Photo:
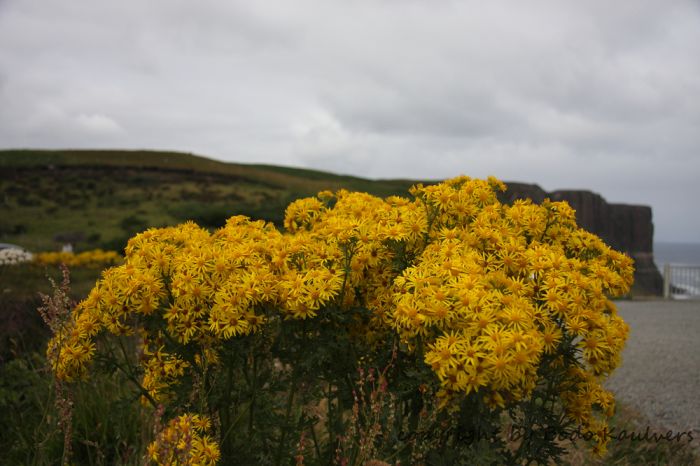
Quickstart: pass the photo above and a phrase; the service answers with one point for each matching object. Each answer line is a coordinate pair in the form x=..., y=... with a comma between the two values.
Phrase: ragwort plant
x=487, y=330
x=94, y=258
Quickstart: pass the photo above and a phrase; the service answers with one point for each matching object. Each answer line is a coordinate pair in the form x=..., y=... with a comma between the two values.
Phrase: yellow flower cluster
x=72, y=347
x=184, y=442
x=499, y=286
x=160, y=369
x=483, y=290
x=93, y=258
x=588, y=404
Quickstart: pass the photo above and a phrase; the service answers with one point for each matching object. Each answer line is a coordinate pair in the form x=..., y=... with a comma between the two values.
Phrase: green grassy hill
x=100, y=198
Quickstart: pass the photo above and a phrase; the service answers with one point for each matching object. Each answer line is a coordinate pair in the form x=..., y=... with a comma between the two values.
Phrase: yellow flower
x=184, y=441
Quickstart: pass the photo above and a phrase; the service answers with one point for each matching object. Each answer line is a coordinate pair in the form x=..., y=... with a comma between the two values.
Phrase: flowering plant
x=92, y=258
x=477, y=311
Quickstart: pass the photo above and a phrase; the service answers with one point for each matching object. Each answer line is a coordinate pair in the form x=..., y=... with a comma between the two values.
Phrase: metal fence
x=681, y=281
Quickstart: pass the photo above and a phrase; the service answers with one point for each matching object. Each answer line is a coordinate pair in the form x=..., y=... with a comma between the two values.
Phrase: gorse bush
x=472, y=317
x=92, y=258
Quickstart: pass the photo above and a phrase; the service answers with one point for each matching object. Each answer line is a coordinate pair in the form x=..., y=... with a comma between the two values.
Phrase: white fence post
x=667, y=281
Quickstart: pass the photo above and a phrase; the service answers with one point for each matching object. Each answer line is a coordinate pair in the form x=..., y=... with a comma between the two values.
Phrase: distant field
x=101, y=198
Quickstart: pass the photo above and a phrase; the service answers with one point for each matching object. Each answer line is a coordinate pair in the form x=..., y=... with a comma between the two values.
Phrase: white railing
x=681, y=281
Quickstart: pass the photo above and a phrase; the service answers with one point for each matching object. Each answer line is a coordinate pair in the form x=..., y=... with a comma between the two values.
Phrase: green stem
x=126, y=356
x=253, y=388
x=331, y=436
x=225, y=409
x=288, y=413
x=130, y=375
x=316, y=447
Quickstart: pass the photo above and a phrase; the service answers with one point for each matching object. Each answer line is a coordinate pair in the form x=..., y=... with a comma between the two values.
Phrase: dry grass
x=639, y=452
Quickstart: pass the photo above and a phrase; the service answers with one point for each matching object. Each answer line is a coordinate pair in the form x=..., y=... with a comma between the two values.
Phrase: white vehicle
x=9, y=246
x=11, y=254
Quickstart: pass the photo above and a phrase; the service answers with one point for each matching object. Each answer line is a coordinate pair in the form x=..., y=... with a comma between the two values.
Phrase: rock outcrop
x=627, y=228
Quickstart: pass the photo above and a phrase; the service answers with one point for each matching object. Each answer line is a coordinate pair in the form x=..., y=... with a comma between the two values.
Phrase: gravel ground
x=660, y=371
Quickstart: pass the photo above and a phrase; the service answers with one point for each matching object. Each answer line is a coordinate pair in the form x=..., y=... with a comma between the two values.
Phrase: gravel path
x=660, y=371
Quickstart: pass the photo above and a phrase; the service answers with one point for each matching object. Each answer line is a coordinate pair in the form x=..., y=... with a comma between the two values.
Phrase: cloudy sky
x=595, y=95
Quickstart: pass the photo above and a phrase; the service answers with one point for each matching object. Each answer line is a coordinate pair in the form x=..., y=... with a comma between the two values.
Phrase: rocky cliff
x=627, y=228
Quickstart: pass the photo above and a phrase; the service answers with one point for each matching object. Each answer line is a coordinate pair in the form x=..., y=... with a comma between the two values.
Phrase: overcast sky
x=598, y=95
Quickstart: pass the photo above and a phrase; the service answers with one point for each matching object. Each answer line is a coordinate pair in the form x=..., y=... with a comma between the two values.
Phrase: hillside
x=101, y=198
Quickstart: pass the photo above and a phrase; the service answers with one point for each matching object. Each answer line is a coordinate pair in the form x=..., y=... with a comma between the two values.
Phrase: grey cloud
x=596, y=94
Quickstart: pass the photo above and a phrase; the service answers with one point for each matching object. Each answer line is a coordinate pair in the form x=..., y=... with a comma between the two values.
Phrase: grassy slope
x=300, y=179
x=103, y=197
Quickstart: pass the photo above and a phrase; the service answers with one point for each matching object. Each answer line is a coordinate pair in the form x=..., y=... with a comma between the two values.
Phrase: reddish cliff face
x=627, y=228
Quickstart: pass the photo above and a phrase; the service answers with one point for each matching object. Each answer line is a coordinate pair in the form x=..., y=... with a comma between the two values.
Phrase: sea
x=685, y=273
